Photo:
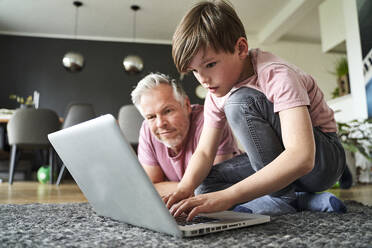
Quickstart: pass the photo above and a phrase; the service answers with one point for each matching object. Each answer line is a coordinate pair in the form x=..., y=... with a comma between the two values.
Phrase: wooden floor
x=359, y=193
x=34, y=192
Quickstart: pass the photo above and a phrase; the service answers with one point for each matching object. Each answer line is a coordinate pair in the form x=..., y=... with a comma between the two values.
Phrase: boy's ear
x=242, y=47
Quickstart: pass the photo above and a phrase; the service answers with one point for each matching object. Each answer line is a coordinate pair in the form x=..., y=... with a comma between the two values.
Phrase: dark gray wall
x=365, y=25
x=30, y=63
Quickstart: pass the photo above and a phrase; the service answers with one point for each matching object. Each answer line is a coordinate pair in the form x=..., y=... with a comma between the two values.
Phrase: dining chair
x=27, y=130
x=130, y=122
x=75, y=114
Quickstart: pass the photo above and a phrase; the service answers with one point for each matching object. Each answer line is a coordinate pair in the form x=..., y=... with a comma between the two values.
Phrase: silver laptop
x=107, y=170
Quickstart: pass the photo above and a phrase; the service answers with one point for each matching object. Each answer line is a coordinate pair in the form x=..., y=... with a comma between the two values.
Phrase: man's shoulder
x=197, y=112
x=196, y=120
x=145, y=132
x=197, y=107
x=147, y=138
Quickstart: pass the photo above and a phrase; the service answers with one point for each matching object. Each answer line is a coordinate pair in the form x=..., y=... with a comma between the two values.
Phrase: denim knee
x=243, y=94
x=248, y=102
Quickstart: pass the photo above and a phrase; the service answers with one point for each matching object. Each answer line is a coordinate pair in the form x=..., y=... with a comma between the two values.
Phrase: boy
x=277, y=112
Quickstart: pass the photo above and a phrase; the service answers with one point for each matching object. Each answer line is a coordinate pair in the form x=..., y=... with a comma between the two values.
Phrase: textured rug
x=77, y=225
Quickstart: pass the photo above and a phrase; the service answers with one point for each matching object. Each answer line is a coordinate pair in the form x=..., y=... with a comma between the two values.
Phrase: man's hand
x=204, y=203
x=165, y=188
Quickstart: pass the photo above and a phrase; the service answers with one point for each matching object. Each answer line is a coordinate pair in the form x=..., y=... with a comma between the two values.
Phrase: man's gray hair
x=150, y=82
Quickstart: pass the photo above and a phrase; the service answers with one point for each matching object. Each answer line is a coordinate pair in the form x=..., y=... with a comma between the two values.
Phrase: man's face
x=168, y=120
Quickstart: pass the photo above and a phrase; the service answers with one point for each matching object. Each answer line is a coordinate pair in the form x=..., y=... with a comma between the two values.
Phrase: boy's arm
x=295, y=161
x=227, y=146
x=222, y=157
x=157, y=177
x=199, y=165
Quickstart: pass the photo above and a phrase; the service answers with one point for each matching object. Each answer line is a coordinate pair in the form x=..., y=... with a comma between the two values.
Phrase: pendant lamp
x=74, y=61
x=133, y=63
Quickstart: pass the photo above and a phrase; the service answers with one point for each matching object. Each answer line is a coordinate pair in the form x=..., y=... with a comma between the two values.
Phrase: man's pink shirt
x=154, y=153
x=284, y=85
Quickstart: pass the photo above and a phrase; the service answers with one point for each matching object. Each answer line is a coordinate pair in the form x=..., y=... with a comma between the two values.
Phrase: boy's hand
x=176, y=196
x=204, y=203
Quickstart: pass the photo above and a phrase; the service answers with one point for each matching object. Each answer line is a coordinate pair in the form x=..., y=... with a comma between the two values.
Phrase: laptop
x=107, y=170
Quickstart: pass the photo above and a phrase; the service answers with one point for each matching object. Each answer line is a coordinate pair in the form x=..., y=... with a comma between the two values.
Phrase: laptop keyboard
x=181, y=220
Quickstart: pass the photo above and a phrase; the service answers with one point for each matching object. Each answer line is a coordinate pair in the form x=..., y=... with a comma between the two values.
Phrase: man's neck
x=174, y=151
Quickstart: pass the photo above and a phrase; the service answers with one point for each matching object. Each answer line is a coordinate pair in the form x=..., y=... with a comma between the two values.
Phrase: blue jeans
x=251, y=117
x=229, y=172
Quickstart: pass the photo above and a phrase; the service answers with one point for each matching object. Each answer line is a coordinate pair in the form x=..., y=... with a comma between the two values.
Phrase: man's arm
x=153, y=171
x=157, y=177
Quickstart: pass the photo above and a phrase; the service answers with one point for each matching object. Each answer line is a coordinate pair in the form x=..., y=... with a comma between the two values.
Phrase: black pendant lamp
x=133, y=64
x=74, y=61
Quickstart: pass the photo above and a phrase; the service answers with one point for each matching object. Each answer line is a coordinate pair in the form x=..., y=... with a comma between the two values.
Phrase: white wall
x=344, y=108
x=355, y=60
x=353, y=106
x=332, y=25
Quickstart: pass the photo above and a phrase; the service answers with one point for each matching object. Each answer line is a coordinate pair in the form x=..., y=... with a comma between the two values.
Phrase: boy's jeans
x=251, y=117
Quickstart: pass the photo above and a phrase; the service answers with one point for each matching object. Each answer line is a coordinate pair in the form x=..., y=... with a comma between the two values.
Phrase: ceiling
x=112, y=20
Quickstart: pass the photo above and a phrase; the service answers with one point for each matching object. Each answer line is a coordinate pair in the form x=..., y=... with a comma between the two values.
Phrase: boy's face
x=220, y=71
x=168, y=120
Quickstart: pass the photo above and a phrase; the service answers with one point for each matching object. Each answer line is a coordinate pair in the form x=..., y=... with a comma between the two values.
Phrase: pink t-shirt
x=154, y=153
x=285, y=85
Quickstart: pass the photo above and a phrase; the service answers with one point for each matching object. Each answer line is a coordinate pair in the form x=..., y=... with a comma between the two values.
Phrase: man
x=171, y=131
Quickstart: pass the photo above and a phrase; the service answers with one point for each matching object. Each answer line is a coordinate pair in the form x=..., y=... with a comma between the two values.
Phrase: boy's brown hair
x=212, y=24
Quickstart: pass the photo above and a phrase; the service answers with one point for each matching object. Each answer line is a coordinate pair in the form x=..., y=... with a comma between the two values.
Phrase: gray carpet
x=76, y=225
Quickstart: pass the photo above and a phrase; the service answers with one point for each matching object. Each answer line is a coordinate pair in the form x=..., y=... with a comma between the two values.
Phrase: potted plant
x=28, y=103
x=356, y=138
x=342, y=73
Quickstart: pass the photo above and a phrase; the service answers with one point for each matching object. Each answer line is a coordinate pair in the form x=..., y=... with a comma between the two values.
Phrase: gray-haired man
x=171, y=131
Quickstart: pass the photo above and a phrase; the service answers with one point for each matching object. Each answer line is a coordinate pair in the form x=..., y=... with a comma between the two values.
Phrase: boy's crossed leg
x=231, y=171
